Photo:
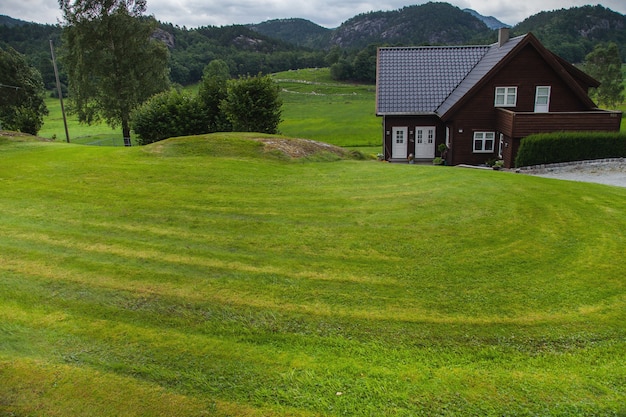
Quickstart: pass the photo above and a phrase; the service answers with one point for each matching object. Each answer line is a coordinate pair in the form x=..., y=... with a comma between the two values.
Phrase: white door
x=398, y=142
x=424, y=141
x=542, y=99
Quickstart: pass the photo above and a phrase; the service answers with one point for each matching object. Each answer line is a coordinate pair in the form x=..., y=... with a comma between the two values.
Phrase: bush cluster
x=248, y=104
x=549, y=148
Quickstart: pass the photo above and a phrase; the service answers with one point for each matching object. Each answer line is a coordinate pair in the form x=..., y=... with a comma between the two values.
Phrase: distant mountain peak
x=490, y=21
x=425, y=24
x=297, y=31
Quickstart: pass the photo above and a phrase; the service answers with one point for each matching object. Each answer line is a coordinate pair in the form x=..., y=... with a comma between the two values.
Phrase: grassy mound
x=251, y=145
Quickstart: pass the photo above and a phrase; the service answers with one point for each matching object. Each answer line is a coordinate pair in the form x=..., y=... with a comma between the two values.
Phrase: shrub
x=213, y=90
x=547, y=148
x=253, y=104
x=169, y=114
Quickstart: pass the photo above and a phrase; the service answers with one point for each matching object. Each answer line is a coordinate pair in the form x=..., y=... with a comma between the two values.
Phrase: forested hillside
x=244, y=50
x=9, y=21
x=572, y=33
x=350, y=49
x=32, y=40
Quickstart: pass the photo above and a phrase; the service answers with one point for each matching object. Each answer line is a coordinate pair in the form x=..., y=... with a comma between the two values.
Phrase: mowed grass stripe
x=148, y=264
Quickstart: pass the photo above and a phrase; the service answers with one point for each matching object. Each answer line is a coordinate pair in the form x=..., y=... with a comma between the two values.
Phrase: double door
x=423, y=142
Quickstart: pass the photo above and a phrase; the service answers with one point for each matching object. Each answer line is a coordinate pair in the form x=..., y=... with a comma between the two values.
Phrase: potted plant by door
x=443, y=150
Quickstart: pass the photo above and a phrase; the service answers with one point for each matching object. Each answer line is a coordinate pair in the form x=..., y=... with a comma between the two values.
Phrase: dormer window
x=506, y=97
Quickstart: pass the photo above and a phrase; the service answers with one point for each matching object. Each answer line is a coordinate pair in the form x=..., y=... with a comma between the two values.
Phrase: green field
x=315, y=107
x=203, y=276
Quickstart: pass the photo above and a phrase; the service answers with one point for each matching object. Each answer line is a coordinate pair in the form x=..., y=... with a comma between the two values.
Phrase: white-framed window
x=506, y=97
x=501, y=145
x=484, y=142
x=399, y=136
x=542, y=99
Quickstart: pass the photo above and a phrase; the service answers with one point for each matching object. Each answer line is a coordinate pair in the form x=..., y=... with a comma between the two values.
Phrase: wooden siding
x=527, y=70
x=521, y=124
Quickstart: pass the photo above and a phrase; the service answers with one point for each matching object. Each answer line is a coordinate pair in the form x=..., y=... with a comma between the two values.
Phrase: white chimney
x=503, y=36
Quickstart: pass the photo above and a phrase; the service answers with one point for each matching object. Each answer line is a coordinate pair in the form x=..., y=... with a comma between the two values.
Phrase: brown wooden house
x=480, y=100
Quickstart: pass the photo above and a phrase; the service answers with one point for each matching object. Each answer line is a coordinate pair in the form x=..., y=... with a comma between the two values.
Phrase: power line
x=10, y=86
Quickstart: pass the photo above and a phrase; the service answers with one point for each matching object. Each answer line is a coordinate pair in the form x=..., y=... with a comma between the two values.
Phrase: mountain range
x=433, y=23
x=571, y=33
x=280, y=44
x=436, y=23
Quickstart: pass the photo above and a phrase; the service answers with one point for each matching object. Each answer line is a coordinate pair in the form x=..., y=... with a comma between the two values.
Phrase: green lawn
x=201, y=276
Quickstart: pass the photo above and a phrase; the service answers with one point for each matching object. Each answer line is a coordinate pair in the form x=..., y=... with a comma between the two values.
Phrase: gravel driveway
x=605, y=171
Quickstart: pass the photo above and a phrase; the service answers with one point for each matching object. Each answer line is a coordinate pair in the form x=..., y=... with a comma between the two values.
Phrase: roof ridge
x=436, y=47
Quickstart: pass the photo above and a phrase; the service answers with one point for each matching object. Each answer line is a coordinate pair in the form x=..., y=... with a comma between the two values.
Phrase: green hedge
x=549, y=148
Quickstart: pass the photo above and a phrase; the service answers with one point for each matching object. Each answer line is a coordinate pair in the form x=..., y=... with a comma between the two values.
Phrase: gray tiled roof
x=418, y=80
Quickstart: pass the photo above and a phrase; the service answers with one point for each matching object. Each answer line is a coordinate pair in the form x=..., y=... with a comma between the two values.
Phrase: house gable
x=514, y=73
x=500, y=57
x=493, y=56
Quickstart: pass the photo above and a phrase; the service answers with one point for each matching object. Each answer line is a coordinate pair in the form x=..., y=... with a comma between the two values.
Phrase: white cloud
x=40, y=11
x=328, y=13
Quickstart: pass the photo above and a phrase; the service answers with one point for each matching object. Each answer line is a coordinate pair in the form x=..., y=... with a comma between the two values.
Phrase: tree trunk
x=126, y=132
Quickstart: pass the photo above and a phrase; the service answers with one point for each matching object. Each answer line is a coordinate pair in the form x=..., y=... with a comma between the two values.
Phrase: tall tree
x=605, y=65
x=112, y=61
x=22, y=106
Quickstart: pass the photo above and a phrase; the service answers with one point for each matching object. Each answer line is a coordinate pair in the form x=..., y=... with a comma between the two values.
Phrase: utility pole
x=56, y=74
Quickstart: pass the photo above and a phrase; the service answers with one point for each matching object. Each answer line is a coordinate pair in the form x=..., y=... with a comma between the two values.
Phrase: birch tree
x=112, y=61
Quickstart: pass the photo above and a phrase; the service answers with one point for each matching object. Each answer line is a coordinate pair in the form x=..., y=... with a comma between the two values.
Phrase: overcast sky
x=328, y=13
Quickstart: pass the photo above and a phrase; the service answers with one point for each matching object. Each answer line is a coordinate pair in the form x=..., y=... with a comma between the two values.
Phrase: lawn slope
x=212, y=276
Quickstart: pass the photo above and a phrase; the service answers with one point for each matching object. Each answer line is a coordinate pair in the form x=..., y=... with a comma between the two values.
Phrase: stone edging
x=550, y=167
